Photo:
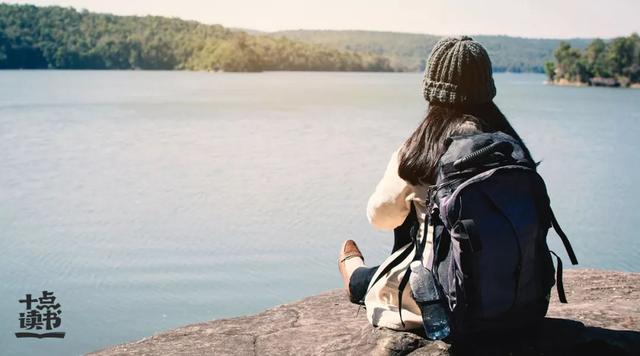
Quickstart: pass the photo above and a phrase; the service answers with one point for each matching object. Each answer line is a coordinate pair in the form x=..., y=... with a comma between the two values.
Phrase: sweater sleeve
x=388, y=206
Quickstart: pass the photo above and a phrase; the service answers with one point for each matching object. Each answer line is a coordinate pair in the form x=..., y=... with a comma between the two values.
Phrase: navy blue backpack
x=490, y=214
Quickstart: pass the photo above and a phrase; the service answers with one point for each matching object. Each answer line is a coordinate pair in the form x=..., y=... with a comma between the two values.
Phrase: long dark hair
x=421, y=151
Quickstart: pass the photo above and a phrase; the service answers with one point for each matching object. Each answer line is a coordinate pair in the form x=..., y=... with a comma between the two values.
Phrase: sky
x=525, y=18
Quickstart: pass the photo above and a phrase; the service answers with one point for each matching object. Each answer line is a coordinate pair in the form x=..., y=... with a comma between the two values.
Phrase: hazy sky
x=528, y=18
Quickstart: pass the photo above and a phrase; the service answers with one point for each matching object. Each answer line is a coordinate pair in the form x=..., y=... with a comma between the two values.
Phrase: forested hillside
x=56, y=37
x=408, y=51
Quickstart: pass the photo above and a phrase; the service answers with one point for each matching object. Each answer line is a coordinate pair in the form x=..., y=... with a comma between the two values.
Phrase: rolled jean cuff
x=359, y=283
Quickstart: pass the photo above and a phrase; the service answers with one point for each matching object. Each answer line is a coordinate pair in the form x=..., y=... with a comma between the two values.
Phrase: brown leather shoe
x=349, y=250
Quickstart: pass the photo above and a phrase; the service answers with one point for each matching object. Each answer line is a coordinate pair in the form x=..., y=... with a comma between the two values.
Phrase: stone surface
x=602, y=318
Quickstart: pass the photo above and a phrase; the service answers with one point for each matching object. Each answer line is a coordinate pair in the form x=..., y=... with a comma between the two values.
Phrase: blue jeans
x=359, y=282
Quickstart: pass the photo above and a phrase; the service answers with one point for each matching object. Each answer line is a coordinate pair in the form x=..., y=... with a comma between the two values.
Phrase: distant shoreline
x=221, y=71
x=579, y=84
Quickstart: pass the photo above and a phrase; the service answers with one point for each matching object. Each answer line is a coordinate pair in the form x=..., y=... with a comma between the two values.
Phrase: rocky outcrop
x=603, y=82
x=602, y=318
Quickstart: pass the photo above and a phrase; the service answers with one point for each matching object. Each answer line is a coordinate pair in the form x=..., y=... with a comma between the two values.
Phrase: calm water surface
x=149, y=200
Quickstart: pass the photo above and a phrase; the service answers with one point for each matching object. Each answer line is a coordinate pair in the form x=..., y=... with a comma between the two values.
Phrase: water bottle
x=425, y=293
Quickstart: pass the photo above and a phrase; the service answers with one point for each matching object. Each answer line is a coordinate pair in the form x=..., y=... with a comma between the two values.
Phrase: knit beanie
x=458, y=72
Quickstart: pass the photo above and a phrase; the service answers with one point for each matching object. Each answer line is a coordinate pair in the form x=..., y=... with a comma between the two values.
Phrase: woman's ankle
x=351, y=264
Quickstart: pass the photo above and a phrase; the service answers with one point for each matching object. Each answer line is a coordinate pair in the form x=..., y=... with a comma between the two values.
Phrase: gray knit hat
x=458, y=72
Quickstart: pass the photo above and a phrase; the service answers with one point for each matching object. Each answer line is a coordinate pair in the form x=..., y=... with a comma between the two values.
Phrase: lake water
x=150, y=200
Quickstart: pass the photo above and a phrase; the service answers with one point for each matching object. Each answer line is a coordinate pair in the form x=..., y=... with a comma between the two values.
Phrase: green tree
x=595, y=57
x=3, y=51
x=569, y=63
x=550, y=70
x=633, y=71
x=620, y=54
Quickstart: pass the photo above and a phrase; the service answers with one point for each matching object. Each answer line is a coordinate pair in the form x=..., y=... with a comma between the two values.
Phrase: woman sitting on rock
x=459, y=88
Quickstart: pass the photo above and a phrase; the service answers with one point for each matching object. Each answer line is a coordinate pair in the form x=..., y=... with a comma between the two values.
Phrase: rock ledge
x=602, y=318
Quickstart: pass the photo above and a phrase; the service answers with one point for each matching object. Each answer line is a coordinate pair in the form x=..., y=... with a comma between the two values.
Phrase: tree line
x=63, y=38
x=409, y=51
x=601, y=63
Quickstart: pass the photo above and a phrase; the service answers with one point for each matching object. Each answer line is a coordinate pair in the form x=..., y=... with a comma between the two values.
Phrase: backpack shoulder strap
x=559, y=284
x=403, y=236
x=396, y=261
x=563, y=237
